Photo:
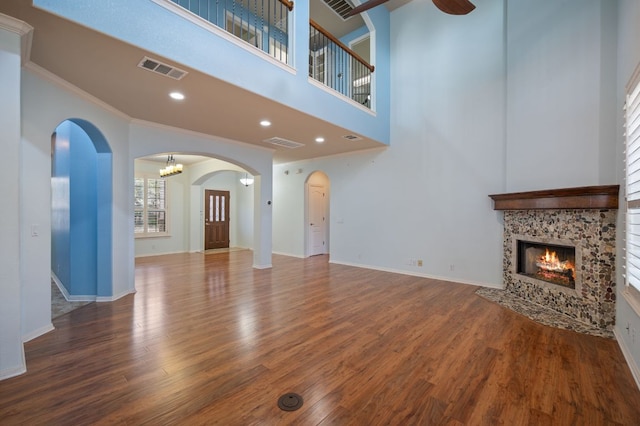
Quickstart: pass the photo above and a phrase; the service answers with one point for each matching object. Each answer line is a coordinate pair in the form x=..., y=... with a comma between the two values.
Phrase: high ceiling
x=107, y=69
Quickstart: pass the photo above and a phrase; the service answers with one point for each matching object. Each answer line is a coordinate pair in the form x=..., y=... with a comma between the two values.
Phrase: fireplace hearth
x=559, y=250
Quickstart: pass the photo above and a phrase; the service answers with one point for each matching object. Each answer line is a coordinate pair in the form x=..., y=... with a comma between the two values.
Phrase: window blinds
x=632, y=179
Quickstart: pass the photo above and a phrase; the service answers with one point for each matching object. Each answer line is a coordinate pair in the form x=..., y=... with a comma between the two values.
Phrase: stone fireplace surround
x=582, y=217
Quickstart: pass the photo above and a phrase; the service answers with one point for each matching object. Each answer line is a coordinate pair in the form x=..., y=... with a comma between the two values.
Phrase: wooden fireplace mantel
x=585, y=197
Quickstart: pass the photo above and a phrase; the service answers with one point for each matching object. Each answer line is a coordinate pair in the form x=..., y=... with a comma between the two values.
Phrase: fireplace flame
x=550, y=262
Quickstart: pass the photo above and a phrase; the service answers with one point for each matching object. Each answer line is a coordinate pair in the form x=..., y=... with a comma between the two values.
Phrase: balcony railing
x=261, y=23
x=331, y=62
x=265, y=25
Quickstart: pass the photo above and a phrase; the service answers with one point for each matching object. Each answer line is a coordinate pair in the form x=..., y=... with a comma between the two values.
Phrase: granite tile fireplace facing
x=578, y=222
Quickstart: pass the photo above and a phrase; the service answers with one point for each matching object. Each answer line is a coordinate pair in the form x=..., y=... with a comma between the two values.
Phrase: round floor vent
x=290, y=402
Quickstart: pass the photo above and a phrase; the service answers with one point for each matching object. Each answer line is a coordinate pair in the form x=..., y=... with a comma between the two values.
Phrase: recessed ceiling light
x=319, y=139
x=176, y=95
x=265, y=123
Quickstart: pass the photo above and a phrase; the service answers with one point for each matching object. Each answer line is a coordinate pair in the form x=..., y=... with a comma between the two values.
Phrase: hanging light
x=246, y=180
x=171, y=168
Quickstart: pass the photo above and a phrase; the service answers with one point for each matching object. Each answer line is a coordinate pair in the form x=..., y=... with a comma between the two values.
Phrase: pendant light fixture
x=246, y=180
x=171, y=168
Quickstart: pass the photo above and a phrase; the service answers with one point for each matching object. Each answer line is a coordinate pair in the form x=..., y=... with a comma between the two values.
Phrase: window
x=150, y=211
x=632, y=190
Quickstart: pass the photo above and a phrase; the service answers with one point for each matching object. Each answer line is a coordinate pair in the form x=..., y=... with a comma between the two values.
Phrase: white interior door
x=316, y=240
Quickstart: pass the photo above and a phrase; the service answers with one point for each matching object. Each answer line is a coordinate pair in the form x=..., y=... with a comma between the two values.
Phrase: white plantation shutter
x=150, y=211
x=632, y=182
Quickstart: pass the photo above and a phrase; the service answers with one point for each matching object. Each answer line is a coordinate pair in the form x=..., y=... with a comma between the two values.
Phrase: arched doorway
x=81, y=211
x=317, y=189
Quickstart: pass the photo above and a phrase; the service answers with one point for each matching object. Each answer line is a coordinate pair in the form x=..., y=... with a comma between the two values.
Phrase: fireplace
x=552, y=263
x=559, y=250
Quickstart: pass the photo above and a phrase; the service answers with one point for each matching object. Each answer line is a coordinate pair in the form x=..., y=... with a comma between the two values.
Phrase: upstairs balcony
x=245, y=60
x=264, y=24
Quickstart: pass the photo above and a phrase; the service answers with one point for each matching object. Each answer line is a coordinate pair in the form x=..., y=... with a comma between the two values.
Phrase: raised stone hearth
x=584, y=218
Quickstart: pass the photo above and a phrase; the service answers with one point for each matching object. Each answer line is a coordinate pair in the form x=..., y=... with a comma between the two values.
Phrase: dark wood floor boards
x=207, y=339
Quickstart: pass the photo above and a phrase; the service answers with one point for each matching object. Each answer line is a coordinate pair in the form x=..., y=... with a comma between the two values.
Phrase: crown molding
x=53, y=78
x=22, y=29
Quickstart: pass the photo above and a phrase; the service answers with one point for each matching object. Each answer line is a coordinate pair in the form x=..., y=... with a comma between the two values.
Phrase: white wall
x=178, y=203
x=48, y=101
x=185, y=207
x=426, y=197
x=561, y=75
x=628, y=60
x=150, y=138
x=11, y=352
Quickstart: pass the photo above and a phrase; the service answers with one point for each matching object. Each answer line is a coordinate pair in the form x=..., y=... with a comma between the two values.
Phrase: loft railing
x=261, y=23
x=331, y=62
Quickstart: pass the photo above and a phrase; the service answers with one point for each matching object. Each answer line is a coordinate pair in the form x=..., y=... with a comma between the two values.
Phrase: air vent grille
x=352, y=137
x=341, y=7
x=161, y=68
x=284, y=142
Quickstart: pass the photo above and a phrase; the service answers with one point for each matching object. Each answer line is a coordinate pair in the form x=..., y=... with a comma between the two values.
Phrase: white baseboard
x=100, y=299
x=288, y=254
x=37, y=333
x=419, y=274
x=262, y=266
x=635, y=369
x=12, y=372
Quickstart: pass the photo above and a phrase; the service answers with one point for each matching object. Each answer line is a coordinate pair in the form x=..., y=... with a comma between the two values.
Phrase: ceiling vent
x=160, y=68
x=341, y=7
x=352, y=137
x=284, y=142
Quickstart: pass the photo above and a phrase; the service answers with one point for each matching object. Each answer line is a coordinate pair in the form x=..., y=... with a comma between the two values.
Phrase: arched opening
x=317, y=190
x=188, y=212
x=81, y=211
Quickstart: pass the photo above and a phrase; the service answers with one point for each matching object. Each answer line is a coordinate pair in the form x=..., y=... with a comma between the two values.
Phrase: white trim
x=37, y=333
x=102, y=299
x=13, y=372
x=279, y=253
x=24, y=30
x=164, y=253
x=420, y=275
x=632, y=299
x=14, y=25
x=203, y=23
x=341, y=96
x=268, y=266
x=628, y=356
x=47, y=75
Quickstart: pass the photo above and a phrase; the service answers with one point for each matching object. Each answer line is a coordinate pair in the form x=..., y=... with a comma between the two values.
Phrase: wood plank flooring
x=209, y=340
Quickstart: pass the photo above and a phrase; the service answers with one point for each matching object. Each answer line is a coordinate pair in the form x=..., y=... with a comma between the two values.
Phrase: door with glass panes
x=216, y=219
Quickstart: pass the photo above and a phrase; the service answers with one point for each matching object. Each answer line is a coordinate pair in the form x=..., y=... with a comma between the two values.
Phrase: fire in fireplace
x=547, y=262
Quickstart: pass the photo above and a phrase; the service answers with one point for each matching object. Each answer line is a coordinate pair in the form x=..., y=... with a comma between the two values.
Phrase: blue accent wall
x=81, y=247
x=83, y=224
x=60, y=205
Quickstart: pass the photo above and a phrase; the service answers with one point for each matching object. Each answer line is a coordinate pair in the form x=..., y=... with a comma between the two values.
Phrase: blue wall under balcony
x=81, y=210
x=145, y=23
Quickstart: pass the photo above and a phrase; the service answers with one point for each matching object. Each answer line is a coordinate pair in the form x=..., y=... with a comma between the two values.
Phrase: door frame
x=316, y=178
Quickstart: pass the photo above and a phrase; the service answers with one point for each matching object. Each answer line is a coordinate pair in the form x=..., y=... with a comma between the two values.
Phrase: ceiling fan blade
x=365, y=6
x=454, y=7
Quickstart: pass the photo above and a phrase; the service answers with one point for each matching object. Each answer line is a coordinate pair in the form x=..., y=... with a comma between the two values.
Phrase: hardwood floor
x=209, y=340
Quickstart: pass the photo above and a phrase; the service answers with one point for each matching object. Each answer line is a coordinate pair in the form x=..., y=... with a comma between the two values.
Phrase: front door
x=216, y=219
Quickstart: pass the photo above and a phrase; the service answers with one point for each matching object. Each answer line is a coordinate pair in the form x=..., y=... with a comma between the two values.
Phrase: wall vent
x=341, y=7
x=352, y=137
x=284, y=142
x=161, y=68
